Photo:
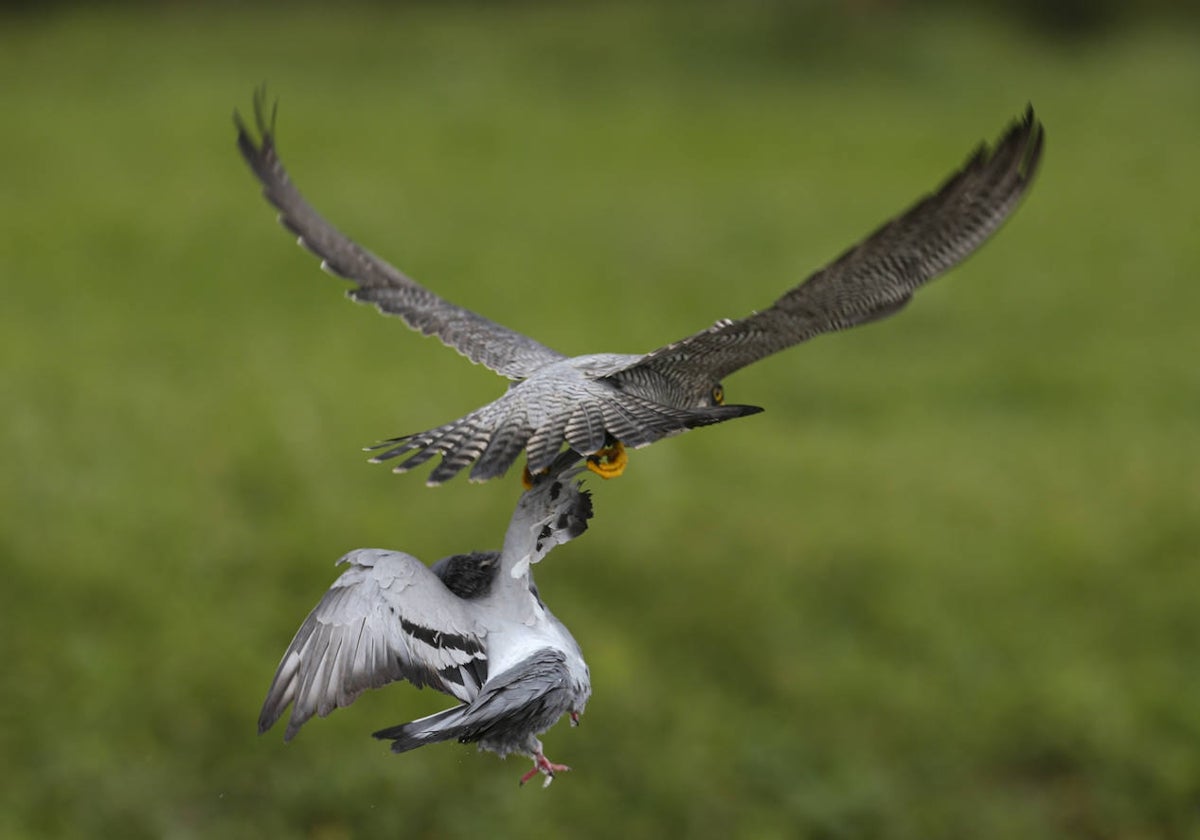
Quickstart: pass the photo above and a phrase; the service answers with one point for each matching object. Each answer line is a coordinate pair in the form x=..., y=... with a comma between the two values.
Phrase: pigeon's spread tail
x=443, y=726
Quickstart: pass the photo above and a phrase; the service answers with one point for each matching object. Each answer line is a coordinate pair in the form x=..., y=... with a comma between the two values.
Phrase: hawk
x=600, y=403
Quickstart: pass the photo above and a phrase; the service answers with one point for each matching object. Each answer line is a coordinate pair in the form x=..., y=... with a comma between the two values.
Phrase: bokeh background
x=947, y=585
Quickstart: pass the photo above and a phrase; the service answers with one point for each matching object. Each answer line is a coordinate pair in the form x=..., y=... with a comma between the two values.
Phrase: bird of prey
x=600, y=403
x=472, y=626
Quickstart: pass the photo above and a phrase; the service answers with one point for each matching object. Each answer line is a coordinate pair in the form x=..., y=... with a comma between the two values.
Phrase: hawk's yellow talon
x=608, y=462
x=526, y=478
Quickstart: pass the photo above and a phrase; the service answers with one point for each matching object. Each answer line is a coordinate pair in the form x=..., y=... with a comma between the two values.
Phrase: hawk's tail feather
x=507, y=443
x=584, y=430
x=544, y=445
x=494, y=441
x=459, y=447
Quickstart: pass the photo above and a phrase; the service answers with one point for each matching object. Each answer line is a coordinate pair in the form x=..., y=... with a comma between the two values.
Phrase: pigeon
x=598, y=404
x=472, y=626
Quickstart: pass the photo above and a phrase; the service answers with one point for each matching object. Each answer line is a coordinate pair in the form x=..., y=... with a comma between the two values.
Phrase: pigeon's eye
x=718, y=395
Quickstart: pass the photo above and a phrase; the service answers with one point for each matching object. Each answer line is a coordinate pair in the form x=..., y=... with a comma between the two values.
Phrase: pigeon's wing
x=388, y=617
x=879, y=275
x=483, y=341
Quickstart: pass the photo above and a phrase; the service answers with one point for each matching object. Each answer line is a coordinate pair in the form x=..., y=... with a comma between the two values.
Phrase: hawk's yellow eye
x=718, y=395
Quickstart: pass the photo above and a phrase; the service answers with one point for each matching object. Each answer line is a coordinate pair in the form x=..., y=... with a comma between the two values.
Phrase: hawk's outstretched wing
x=483, y=341
x=878, y=276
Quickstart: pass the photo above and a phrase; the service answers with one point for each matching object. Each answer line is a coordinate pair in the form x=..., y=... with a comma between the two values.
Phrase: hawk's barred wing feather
x=505, y=351
x=878, y=276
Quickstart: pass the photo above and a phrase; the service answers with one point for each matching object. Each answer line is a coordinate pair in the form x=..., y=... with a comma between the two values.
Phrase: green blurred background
x=947, y=585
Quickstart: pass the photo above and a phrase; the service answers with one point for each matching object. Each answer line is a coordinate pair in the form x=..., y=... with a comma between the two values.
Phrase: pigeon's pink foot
x=541, y=764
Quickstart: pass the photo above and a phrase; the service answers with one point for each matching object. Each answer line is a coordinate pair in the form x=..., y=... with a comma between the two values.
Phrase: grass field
x=947, y=585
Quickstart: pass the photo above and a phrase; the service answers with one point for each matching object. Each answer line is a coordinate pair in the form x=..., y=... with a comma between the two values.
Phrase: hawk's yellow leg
x=608, y=462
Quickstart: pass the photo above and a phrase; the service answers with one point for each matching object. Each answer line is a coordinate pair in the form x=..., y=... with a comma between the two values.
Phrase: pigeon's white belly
x=513, y=642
